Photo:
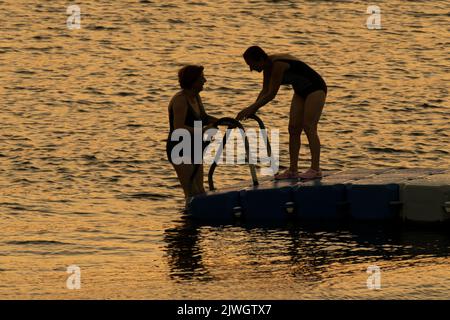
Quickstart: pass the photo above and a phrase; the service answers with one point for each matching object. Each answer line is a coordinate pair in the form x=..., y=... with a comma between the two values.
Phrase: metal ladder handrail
x=263, y=129
x=232, y=123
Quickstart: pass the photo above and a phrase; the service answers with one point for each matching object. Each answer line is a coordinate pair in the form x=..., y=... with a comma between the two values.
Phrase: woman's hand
x=245, y=113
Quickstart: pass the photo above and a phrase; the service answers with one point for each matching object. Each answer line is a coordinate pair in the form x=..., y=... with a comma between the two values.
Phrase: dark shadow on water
x=310, y=247
x=184, y=252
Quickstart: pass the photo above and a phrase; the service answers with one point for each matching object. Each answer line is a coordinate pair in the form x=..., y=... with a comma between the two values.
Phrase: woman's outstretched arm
x=274, y=85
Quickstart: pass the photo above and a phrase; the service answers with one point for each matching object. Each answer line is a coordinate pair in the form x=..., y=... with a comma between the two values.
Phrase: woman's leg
x=313, y=109
x=296, y=115
x=184, y=173
x=199, y=188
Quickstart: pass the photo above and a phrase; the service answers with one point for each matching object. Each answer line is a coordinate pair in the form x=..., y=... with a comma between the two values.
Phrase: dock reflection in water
x=315, y=254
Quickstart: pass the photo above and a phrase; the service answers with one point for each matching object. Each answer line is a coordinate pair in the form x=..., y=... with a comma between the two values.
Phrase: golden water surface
x=84, y=178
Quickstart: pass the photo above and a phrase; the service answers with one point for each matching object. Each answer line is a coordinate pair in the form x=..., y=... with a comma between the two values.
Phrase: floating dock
x=420, y=195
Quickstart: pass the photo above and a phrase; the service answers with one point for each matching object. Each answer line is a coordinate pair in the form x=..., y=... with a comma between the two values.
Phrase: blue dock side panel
x=374, y=202
x=215, y=206
x=320, y=201
x=266, y=203
x=420, y=195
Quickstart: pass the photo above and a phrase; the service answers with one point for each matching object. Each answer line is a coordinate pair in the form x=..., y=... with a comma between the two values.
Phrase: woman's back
x=282, y=56
x=191, y=114
x=299, y=74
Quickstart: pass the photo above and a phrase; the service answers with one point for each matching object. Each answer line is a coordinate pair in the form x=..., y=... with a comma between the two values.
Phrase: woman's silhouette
x=310, y=92
x=184, y=109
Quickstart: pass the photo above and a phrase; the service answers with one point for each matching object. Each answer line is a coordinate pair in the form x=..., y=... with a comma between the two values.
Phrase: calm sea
x=84, y=178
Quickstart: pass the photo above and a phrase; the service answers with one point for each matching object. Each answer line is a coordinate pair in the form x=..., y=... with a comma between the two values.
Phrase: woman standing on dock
x=310, y=92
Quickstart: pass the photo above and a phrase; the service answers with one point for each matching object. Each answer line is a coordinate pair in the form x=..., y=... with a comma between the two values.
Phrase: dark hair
x=188, y=75
x=255, y=53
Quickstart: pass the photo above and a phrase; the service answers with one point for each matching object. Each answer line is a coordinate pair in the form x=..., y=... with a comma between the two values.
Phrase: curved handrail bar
x=263, y=128
x=231, y=123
